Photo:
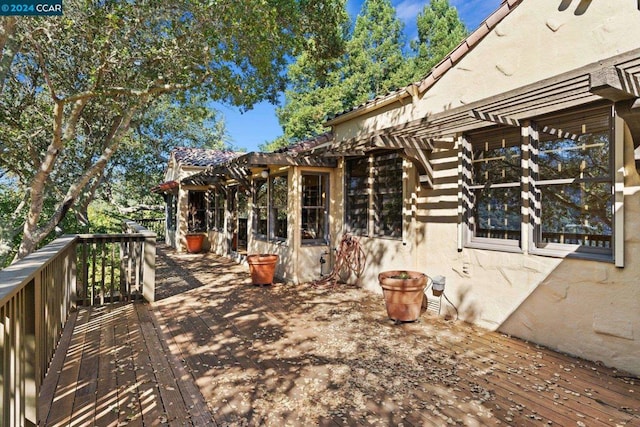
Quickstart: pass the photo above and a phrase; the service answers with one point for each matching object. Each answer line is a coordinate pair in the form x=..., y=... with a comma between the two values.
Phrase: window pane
x=172, y=207
x=388, y=196
x=575, y=146
x=495, y=198
x=219, y=200
x=496, y=157
x=497, y=213
x=197, y=211
x=314, y=207
x=260, y=209
x=211, y=213
x=357, y=197
x=579, y=214
x=279, y=206
x=312, y=224
x=312, y=191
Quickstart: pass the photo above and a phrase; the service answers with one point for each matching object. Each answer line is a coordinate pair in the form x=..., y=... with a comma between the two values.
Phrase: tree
x=165, y=124
x=372, y=65
x=308, y=100
x=374, y=54
x=439, y=32
x=77, y=81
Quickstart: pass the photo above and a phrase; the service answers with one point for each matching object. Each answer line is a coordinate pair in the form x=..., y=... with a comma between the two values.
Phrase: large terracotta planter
x=194, y=242
x=403, y=293
x=262, y=268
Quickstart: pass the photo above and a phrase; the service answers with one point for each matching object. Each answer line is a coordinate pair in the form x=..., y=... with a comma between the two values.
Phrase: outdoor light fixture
x=264, y=173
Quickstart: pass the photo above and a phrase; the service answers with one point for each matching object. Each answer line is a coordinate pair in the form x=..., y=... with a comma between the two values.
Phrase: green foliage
x=9, y=225
x=81, y=80
x=439, y=32
x=104, y=218
x=374, y=63
x=374, y=53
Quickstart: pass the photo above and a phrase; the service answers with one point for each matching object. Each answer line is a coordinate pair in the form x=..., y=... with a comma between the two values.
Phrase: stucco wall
x=586, y=308
x=535, y=41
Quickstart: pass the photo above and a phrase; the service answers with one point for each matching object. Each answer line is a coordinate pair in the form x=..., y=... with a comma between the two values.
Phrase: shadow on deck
x=215, y=350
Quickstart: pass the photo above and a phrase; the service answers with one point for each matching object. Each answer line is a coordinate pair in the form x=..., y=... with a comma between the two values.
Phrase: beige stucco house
x=520, y=186
x=254, y=203
x=191, y=203
x=510, y=169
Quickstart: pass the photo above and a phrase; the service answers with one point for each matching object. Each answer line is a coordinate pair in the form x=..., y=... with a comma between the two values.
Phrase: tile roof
x=306, y=145
x=203, y=157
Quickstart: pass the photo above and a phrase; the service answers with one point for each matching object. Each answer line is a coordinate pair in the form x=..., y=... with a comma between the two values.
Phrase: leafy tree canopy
x=73, y=86
x=439, y=32
x=375, y=62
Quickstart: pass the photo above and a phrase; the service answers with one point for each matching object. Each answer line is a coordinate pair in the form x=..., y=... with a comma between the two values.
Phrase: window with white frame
x=386, y=203
x=573, y=182
x=493, y=187
x=315, y=208
x=567, y=178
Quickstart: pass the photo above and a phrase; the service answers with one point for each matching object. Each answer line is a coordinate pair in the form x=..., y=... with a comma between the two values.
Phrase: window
x=494, y=187
x=270, y=207
x=172, y=211
x=386, y=180
x=573, y=182
x=216, y=210
x=357, y=196
x=197, y=211
x=279, y=198
x=315, y=208
x=260, y=208
x=568, y=176
x=387, y=195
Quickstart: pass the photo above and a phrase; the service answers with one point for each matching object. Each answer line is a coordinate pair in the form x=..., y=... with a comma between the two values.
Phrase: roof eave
x=370, y=106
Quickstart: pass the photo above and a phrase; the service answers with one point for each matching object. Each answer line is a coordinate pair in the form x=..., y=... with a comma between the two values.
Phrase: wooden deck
x=215, y=350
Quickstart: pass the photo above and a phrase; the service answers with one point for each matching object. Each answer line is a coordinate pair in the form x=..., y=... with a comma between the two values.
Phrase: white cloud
x=408, y=10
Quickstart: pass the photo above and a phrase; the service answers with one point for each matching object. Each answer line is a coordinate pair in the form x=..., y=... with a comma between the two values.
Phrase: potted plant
x=262, y=268
x=403, y=293
x=195, y=240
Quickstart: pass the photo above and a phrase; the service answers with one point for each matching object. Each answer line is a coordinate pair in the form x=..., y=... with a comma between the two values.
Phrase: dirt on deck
x=301, y=355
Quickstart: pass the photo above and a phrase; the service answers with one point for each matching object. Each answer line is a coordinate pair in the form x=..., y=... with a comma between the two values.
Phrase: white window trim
x=527, y=243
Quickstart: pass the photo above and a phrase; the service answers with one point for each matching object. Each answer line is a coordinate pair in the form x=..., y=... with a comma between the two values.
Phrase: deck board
x=216, y=350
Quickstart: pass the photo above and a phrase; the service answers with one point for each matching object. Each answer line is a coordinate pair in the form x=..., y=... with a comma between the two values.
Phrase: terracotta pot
x=262, y=268
x=403, y=293
x=194, y=242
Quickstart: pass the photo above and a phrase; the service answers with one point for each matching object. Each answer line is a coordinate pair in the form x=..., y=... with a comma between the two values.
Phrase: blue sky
x=250, y=129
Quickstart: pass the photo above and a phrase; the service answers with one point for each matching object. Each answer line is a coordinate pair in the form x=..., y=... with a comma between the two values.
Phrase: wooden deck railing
x=156, y=225
x=38, y=292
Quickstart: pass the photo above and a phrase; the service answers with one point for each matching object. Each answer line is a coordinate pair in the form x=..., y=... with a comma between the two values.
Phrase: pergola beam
x=283, y=159
x=614, y=84
x=494, y=118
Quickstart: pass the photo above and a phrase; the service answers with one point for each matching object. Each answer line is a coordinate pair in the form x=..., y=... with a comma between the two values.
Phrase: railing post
x=31, y=369
x=149, y=269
